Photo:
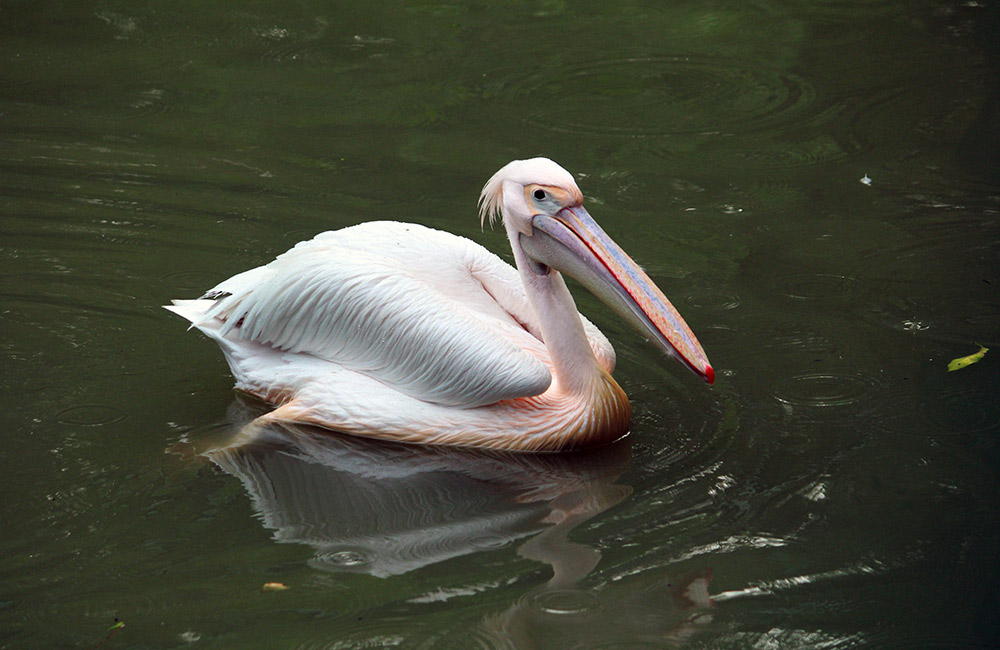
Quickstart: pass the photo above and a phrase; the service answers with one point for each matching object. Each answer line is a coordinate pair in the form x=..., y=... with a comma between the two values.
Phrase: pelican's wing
x=397, y=302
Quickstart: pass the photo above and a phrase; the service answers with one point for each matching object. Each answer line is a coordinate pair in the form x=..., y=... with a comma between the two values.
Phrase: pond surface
x=815, y=185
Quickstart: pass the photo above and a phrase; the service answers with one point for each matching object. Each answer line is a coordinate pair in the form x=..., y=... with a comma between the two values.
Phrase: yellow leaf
x=961, y=362
x=274, y=586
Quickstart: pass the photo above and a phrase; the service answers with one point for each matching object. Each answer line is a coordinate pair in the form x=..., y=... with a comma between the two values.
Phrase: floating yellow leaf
x=961, y=362
x=274, y=586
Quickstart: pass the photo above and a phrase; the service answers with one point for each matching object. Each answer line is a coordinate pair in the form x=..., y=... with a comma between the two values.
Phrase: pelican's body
x=398, y=331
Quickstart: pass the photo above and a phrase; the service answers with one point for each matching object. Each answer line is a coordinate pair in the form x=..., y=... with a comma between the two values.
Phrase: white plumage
x=400, y=331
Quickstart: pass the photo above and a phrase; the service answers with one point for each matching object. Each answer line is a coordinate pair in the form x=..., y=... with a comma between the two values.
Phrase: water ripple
x=929, y=644
x=90, y=609
x=798, y=130
x=689, y=443
x=813, y=399
x=466, y=637
x=91, y=415
x=815, y=286
x=131, y=104
x=383, y=509
x=315, y=52
x=563, y=601
x=191, y=280
x=713, y=299
x=342, y=559
x=658, y=96
x=635, y=645
x=962, y=410
x=824, y=389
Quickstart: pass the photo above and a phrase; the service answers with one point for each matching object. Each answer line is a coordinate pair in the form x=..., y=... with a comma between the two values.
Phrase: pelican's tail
x=195, y=311
x=244, y=357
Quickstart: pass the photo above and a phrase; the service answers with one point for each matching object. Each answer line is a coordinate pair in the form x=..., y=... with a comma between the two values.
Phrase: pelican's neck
x=575, y=368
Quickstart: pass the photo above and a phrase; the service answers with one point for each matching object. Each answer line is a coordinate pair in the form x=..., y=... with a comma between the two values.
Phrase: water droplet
x=190, y=636
x=915, y=326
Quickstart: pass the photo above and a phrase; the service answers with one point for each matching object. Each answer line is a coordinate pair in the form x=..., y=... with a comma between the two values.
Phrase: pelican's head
x=542, y=210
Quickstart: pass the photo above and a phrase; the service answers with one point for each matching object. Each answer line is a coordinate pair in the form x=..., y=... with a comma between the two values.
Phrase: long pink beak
x=572, y=242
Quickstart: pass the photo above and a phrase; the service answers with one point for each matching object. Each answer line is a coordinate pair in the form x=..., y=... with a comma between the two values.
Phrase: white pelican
x=397, y=331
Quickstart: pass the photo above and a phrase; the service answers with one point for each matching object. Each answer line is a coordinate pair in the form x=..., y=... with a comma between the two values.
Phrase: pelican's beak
x=572, y=242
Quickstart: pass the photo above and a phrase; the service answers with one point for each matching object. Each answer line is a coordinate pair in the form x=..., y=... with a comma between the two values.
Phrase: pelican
x=398, y=331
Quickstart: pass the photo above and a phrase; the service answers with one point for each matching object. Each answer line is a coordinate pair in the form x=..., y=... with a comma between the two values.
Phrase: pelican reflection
x=370, y=506
x=388, y=508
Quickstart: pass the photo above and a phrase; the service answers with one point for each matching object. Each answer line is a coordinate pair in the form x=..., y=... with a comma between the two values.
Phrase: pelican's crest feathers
x=540, y=171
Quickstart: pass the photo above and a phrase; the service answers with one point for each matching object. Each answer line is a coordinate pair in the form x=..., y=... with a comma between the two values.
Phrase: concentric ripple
x=90, y=415
x=464, y=637
x=714, y=299
x=823, y=389
x=682, y=444
x=659, y=96
x=960, y=410
x=564, y=602
x=343, y=560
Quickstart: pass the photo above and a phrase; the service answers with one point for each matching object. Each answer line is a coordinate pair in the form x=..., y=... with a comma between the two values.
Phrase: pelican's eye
x=539, y=195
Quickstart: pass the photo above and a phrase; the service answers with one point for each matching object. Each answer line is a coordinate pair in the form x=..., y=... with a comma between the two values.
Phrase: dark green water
x=836, y=488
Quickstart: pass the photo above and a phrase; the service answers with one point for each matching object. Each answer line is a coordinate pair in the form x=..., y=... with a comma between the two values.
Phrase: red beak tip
x=709, y=375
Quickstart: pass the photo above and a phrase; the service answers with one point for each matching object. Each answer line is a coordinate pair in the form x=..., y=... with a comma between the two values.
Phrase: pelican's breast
x=559, y=420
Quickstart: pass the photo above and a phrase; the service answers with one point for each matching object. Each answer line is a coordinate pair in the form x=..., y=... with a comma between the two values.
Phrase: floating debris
x=962, y=362
x=274, y=586
x=865, y=180
x=110, y=632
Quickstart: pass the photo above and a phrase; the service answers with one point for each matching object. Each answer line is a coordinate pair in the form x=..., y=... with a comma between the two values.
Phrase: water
x=836, y=488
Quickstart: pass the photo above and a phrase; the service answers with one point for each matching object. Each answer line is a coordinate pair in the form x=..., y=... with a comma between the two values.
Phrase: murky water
x=836, y=488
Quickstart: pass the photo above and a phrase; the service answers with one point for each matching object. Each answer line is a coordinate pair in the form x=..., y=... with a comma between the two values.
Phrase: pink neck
x=575, y=368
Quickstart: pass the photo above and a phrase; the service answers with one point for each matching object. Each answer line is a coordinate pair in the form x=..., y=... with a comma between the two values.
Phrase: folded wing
x=397, y=302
